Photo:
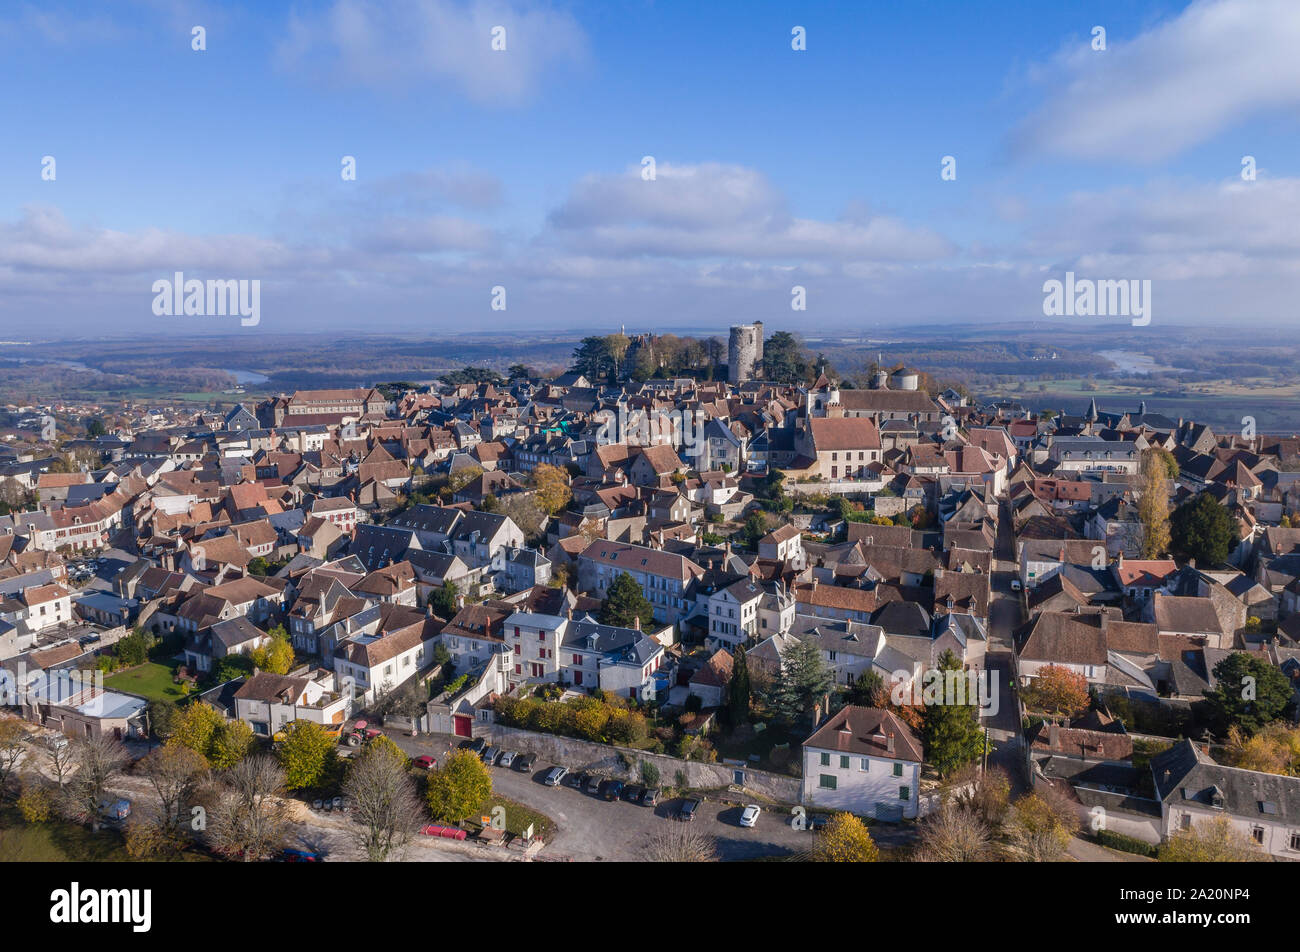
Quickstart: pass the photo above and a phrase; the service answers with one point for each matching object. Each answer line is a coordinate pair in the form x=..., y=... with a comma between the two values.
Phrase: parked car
x=632, y=792
x=578, y=780
x=425, y=762
x=337, y=803
x=507, y=759
x=300, y=856
x=525, y=762
x=817, y=822
x=114, y=808
x=749, y=815
x=688, y=809
x=476, y=745
x=1015, y=585
x=592, y=786
x=490, y=755
x=610, y=789
x=316, y=804
x=650, y=798
x=554, y=776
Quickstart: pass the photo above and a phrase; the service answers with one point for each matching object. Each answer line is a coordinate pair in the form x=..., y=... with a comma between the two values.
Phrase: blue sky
x=521, y=168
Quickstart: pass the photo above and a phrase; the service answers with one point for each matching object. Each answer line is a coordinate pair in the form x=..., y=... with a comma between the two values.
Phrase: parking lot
x=589, y=828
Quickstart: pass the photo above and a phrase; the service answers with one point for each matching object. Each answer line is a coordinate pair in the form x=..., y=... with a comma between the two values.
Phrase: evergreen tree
x=738, y=689
x=625, y=602
x=804, y=679
x=951, y=731
x=1250, y=693
x=1203, y=530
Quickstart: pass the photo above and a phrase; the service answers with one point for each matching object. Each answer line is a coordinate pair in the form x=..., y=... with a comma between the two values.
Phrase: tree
x=519, y=372
x=738, y=688
x=682, y=843
x=1039, y=829
x=784, y=359
x=594, y=358
x=249, y=819
x=385, y=808
x=1214, y=840
x=845, y=840
x=1273, y=749
x=1057, y=690
x=458, y=788
x=174, y=772
x=195, y=725
x=133, y=649
x=1153, y=505
x=162, y=718
x=98, y=760
x=12, y=748
x=954, y=834
x=950, y=731
x=276, y=656
x=307, y=753
x=1250, y=693
x=524, y=511
x=1202, y=529
x=869, y=690
x=625, y=603
x=804, y=680
x=231, y=742
x=463, y=477
x=443, y=599
x=552, y=488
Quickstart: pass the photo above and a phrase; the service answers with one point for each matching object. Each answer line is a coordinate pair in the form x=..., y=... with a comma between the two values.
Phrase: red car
x=425, y=762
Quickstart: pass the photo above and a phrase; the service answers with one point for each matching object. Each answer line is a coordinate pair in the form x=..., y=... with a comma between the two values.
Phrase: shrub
x=1126, y=844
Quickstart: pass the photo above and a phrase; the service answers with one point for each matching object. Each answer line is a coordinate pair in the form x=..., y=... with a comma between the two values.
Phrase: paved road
x=589, y=829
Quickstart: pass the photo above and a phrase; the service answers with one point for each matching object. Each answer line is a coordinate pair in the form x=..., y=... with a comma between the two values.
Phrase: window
x=826, y=781
x=826, y=760
x=904, y=793
x=898, y=770
x=1257, y=834
x=844, y=762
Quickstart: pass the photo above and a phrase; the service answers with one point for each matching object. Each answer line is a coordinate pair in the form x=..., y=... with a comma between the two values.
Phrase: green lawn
x=151, y=680
x=518, y=817
x=60, y=842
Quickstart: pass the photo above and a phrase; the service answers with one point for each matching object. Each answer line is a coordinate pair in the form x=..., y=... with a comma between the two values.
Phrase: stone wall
x=623, y=763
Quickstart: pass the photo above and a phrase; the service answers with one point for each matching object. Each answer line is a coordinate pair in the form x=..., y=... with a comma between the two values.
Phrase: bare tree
x=12, y=748
x=249, y=818
x=680, y=843
x=63, y=760
x=175, y=772
x=98, y=760
x=954, y=834
x=385, y=807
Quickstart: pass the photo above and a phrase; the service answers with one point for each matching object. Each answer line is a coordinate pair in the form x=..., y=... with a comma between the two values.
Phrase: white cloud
x=396, y=44
x=1187, y=79
x=714, y=210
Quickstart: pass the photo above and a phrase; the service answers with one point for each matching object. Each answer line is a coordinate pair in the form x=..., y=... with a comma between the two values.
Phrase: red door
x=462, y=725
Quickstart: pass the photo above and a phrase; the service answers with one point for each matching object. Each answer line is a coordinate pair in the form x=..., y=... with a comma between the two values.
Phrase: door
x=462, y=725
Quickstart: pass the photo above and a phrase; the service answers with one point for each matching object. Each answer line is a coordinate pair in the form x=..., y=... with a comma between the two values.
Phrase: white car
x=1015, y=585
x=749, y=816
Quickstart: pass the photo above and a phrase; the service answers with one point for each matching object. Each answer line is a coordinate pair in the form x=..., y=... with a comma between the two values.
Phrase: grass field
x=151, y=680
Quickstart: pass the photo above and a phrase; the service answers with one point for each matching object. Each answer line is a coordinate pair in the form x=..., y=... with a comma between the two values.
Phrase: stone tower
x=744, y=351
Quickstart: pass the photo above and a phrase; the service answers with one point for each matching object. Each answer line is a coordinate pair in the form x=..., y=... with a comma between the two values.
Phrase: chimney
x=636, y=622
x=889, y=742
x=1054, y=736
